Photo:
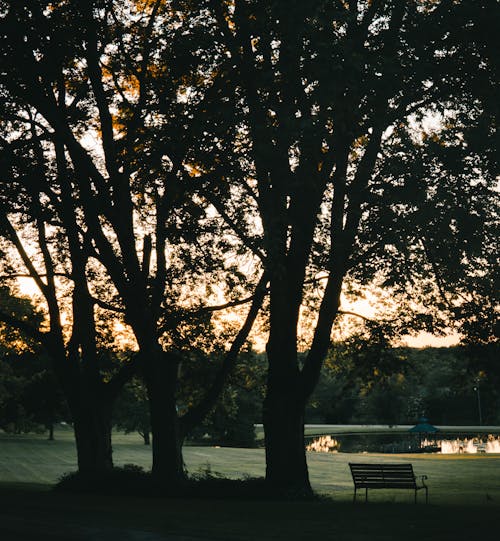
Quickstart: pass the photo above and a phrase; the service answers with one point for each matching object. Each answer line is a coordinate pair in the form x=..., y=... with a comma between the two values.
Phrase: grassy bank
x=453, y=479
x=464, y=498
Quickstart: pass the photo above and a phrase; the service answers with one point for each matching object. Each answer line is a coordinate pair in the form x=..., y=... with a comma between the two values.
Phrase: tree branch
x=198, y=412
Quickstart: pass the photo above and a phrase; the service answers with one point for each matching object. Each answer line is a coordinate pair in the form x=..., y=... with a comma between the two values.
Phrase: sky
x=366, y=307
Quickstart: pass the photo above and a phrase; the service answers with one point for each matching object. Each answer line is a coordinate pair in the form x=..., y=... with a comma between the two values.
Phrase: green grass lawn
x=464, y=493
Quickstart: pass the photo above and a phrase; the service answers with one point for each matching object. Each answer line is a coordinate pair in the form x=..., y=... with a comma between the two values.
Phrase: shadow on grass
x=31, y=512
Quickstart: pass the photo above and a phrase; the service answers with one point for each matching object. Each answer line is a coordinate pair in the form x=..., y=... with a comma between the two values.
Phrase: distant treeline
x=360, y=383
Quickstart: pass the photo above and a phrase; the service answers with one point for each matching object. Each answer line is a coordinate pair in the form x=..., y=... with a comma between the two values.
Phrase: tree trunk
x=161, y=380
x=92, y=427
x=284, y=405
x=146, y=436
x=51, y=430
x=286, y=465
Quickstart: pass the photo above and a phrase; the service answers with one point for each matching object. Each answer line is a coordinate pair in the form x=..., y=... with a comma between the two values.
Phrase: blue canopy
x=423, y=427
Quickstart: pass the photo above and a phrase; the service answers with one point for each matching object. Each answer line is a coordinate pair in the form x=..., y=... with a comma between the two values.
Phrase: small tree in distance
x=131, y=410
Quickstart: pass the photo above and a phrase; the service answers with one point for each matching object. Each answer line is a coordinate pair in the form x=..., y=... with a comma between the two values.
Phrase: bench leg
x=426, y=494
x=366, y=495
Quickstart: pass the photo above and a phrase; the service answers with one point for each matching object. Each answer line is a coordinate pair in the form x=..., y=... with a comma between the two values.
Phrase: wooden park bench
x=389, y=476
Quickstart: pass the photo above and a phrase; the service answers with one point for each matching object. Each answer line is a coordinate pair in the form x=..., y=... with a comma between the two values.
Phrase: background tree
x=29, y=396
x=239, y=407
x=131, y=410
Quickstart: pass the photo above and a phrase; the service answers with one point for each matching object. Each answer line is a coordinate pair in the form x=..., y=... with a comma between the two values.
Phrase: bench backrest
x=382, y=475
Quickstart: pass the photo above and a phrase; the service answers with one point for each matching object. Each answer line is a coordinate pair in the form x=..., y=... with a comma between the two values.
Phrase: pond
x=404, y=443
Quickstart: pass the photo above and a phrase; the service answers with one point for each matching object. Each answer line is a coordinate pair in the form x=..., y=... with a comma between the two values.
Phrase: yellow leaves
x=433, y=137
x=118, y=125
x=156, y=71
x=227, y=16
x=358, y=145
x=400, y=378
x=360, y=142
x=194, y=170
x=146, y=5
x=129, y=84
x=427, y=5
x=55, y=5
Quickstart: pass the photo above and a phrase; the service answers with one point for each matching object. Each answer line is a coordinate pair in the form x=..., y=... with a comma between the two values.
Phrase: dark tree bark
x=283, y=417
x=160, y=375
x=92, y=427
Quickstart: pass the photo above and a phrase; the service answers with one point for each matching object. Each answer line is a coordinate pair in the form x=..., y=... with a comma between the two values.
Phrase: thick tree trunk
x=146, y=436
x=161, y=379
x=286, y=465
x=92, y=427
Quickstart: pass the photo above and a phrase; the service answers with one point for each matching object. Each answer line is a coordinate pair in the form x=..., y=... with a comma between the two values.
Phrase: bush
x=131, y=480
x=119, y=480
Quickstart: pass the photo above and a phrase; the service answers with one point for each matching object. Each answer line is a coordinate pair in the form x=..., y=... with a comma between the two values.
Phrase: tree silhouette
x=99, y=142
x=310, y=171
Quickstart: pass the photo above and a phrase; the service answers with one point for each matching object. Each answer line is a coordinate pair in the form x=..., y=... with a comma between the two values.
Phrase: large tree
x=103, y=87
x=320, y=93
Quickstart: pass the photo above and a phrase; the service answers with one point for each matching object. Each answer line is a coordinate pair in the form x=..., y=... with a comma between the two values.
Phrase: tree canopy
x=159, y=153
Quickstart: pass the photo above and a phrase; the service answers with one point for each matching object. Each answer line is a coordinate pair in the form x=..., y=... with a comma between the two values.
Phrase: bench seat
x=389, y=476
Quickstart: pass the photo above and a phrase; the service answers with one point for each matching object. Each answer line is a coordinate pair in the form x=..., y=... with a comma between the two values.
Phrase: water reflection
x=471, y=445
x=323, y=444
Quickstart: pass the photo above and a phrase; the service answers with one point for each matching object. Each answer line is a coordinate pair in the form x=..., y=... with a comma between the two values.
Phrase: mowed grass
x=464, y=495
x=452, y=479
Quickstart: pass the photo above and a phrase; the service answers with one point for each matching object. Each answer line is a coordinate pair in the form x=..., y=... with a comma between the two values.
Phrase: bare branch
x=198, y=412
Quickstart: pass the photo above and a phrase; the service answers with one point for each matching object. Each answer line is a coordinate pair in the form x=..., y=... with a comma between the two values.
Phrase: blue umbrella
x=423, y=427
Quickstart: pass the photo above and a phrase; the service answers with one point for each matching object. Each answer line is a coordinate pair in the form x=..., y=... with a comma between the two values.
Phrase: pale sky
x=367, y=307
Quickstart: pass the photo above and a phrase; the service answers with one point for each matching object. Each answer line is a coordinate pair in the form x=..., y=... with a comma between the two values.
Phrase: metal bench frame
x=389, y=476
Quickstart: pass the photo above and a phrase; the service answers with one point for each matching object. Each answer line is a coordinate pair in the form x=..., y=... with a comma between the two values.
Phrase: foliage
x=122, y=237
x=326, y=150
x=129, y=479
x=30, y=399
x=437, y=383
x=245, y=148
x=131, y=410
x=239, y=407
